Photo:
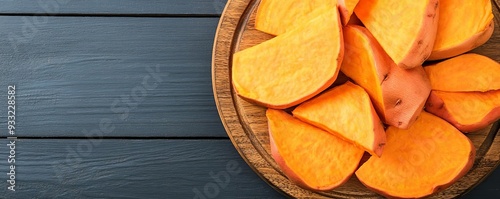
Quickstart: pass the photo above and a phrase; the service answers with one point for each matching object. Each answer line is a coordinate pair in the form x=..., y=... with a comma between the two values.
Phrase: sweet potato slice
x=346, y=111
x=467, y=111
x=467, y=72
x=406, y=29
x=398, y=94
x=278, y=16
x=463, y=26
x=293, y=67
x=309, y=156
x=419, y=161
x=346, y=8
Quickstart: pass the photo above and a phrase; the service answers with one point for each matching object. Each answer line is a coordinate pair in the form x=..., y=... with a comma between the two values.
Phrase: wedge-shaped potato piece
x=346, y=8
x=463, y=26
x=346, y=111
x=467, y=72
x=278, y=16
x=398, y=94
x=406, y=29
x=293, y=67
x=467, y=111
x=419, y=161
x=309, y=156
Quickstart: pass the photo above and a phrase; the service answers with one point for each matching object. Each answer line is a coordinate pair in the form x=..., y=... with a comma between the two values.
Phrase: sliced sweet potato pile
x=463, y=26
x=346, y=8
x=278, y=16
x=293, y=67
x=467, y=111
x=346, y=111
x=419, y=161
x=467, y=72
x=398, y=94
x=309, y=156
x=406, y=29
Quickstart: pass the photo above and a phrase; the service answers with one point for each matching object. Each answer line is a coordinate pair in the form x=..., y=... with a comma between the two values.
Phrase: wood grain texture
x=137, y=169
x=106, y=7
x=148, y=77
x=247, y=126
x=130, y=169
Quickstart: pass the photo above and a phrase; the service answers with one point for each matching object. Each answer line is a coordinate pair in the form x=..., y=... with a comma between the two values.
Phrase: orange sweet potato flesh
x=309, y=156
x=467, y=72
x=406, y=29
x=467, y=111
x=419, y=161
x=346, y=8
x=398, y=94
x=293, y=67
x=278, y=16
x=463, y=26
x=346, y=111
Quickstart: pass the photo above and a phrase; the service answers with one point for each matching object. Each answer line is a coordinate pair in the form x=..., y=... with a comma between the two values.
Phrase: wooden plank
x=130, y=169
x=123, y=7
x=143, y=76
x=50, y=168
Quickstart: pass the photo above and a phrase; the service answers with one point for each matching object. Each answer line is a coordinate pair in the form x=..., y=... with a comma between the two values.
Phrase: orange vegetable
x=467, y=72
x=293, y=67
x=309, y=156
x=346, y=111
x=406, y=29
x=398, y=94
x=278, y=16
x=467, y=111
x=463, y=26
x=419, y=161
x=346, y=8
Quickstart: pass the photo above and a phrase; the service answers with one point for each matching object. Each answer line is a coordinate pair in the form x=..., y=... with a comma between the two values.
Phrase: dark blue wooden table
x=114, y=100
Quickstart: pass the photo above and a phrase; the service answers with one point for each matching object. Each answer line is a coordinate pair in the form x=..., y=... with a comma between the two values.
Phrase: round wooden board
x=246, y=123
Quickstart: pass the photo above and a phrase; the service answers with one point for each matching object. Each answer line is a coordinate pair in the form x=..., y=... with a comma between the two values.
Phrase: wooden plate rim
x=226, y=40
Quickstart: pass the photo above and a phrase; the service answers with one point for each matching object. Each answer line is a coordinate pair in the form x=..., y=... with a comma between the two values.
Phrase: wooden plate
x=246, y=124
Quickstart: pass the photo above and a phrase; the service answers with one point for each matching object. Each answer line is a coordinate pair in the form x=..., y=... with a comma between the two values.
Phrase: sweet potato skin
x=403, y=107
x=398, y=94
x=436, y=106
x=475, y=41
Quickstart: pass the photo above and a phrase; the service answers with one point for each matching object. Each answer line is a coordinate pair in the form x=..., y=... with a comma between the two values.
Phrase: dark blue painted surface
x=489, y=188
x=52, y=168
x=146, y=76
x=199, y=7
